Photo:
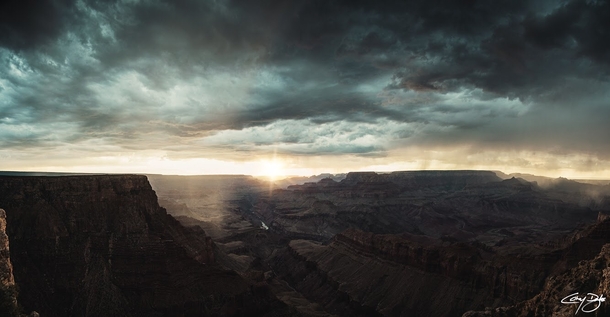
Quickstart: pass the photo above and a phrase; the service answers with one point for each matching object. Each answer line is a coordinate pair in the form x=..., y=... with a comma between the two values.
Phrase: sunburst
x=273, y=169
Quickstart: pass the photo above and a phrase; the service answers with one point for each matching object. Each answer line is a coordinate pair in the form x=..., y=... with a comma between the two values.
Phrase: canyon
x=429, y=243
x=413, y=243
x=102, y=246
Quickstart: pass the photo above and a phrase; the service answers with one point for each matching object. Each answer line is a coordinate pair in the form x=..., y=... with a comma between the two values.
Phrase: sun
x=272, y=169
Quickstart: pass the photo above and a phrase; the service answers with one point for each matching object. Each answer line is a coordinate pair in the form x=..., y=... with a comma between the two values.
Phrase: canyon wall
x=101, y=245
x=8, y=289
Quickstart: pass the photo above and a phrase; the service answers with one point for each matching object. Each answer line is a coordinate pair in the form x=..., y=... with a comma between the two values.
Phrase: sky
x=304, y=87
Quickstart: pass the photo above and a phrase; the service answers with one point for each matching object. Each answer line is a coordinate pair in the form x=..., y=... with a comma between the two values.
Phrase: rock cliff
x=8, y=290
x=399, y=275
x=405, y=275
x=590, y=276
x=585, y=269
x=101, y=245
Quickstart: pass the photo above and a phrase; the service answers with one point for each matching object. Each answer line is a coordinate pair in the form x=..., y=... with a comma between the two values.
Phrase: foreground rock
x=589, y=277
x=102, y=246
x=591, y=274
x=8, y=290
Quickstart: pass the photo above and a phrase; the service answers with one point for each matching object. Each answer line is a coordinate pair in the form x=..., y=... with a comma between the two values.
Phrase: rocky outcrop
x=8, y=290
x=101, y=245
x=342, y=279
x=399, y=275
x=502, y=273
x=402, y=275
x=589, y=277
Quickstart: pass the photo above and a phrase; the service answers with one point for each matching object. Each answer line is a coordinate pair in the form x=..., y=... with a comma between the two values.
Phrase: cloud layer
x=345, y=80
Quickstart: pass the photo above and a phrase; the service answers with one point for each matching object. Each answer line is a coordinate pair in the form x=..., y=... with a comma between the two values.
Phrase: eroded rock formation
x=102, y=246
x=8, y=289
x=586, y=269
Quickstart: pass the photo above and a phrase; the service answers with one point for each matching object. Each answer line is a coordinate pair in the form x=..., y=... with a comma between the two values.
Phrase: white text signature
x=586, y=304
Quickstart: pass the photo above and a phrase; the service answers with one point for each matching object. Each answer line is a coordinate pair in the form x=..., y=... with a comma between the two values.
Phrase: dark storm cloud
x=29, y=23
x=525, y=56
x=582, y=27
x=153, y=73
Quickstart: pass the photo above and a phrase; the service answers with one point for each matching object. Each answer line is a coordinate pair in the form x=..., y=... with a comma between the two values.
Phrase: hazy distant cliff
x=102, y=246
x=447, y=179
